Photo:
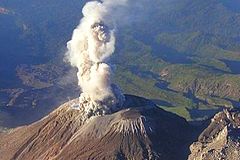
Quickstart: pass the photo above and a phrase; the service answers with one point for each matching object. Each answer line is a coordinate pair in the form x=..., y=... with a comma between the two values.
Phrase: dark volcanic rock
x=141, y=131
x=220, y=140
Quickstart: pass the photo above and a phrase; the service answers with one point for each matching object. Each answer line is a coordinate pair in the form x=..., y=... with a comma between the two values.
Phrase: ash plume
x=92, y=44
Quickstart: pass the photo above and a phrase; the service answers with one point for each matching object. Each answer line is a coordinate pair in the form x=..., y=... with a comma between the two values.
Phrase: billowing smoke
x=92, y=44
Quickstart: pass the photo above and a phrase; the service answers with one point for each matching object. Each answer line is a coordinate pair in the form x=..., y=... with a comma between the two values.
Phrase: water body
x=234, y=66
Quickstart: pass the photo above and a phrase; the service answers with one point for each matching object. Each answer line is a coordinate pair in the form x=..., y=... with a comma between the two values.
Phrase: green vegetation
x=206, y=77
x=173, y=52
x=202, y=45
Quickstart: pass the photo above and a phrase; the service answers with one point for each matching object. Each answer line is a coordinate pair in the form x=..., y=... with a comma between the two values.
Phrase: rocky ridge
x=220, y=140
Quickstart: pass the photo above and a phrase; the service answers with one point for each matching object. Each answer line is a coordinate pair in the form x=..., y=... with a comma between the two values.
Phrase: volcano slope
x=139, y=131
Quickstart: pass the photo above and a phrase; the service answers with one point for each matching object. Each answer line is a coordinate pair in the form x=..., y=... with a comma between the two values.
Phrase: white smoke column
x=93, y=42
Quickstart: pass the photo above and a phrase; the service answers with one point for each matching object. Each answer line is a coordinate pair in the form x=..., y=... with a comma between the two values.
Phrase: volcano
x=140, y=130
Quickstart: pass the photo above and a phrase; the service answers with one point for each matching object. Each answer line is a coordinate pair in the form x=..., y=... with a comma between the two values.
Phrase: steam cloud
x=92, y=44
